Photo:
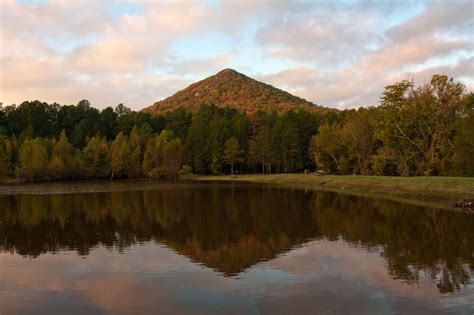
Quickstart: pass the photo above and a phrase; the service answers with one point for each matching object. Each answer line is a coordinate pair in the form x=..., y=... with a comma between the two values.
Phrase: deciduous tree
x=232, y=153
x=32, y=160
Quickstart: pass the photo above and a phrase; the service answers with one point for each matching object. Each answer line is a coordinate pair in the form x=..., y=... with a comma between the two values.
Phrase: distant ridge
x=229, y=88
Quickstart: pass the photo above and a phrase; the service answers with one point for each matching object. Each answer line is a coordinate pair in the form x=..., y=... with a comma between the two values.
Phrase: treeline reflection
x=231, y=228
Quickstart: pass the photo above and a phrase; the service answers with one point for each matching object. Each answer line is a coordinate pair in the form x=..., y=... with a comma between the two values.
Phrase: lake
x=148, y=247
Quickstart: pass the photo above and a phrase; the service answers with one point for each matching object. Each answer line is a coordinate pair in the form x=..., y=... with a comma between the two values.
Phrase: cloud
x=440, y=17
x=200, y=65
x=346, y=75
x=116, y=67
x=334, y=54
x=149, y=278
x=296, y=78
x=464, y=68
x=320, y=36
x=361, y=82
x=51, y=80
x=51, y=21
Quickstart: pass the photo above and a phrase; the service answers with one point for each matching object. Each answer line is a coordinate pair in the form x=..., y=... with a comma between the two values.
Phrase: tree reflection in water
x=232, y=227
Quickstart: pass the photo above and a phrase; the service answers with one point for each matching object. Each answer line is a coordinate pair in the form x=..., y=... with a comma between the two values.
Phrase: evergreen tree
x=265, y=149
x=218, y=133
x=108, y=123
x=306, y=125
x=178, y=122
x=173, y=158
x=287, y=145
x=424, y=130
x=207, y=134
x=240, y=128
x=232, y=153
x=253, y=154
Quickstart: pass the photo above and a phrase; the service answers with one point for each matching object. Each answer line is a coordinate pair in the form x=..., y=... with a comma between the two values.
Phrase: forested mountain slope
x=229, y=88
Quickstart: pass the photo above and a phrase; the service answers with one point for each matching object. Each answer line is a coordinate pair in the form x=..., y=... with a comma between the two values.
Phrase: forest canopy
x=415, y=131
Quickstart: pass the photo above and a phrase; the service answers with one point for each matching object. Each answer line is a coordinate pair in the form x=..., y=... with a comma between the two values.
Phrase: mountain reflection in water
x=231, y=227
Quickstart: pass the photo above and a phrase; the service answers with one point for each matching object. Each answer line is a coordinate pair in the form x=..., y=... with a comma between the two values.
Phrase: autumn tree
x=327, y=148
x=418, y=124
x=463, y=151
x=5, y=157
x=134, y=159
x=163, y=156
x=96, y=158
x=32, y=160
x=358, y=134
x=425, y=130
x=153, y=159
x=119, y=155
x=61, y=163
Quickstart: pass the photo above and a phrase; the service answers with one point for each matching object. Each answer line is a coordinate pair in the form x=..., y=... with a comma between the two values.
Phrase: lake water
x=227, y=248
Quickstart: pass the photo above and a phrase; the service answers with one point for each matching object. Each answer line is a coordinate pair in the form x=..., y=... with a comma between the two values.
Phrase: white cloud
x=441, y=17
x=334, y=54
x=343, y=73
x=321, y=36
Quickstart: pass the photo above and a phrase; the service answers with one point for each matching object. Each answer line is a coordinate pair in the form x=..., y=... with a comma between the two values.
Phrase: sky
x=337, y=54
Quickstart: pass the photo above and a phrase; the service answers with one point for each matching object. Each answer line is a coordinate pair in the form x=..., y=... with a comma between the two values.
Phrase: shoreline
x=441, y=192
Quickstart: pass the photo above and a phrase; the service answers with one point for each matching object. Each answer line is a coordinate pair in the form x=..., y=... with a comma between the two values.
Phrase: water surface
x=202, y=248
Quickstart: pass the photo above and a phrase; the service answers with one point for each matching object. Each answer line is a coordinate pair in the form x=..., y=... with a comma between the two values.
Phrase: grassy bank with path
x=435, y=191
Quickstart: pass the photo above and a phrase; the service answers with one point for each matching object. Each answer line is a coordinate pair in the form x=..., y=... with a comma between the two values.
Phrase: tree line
x=426, y=130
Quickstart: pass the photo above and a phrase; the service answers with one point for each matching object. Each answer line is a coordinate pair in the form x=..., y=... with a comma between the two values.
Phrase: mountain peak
x=228, y=71
x=230, y=88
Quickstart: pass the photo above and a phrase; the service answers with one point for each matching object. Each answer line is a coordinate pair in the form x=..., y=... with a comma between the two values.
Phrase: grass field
x=438, y=191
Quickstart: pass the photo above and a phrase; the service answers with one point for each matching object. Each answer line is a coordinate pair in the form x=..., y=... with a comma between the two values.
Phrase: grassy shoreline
x=442, y=192
x=434, y=191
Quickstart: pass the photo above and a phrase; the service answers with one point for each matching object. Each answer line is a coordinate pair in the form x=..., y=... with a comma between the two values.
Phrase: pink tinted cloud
x=335, y=54
x=439, y=17
x=361, y=82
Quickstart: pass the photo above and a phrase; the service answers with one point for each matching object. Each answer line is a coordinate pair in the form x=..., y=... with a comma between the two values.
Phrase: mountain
x=229, y=88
